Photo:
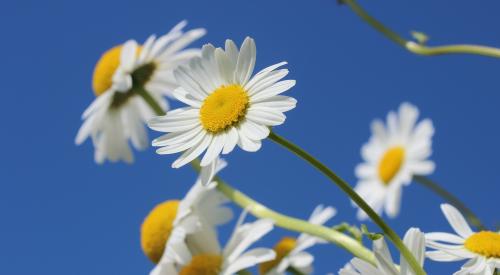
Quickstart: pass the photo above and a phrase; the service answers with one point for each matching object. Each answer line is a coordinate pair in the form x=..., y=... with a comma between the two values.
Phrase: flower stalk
x=433, y=186
x=354, y=196
x=420, y=48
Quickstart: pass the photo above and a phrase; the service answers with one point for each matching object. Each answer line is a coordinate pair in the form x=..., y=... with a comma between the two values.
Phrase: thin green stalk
x=293, y=224
x=471, y=217
x=354, y=196
x=149, y=100
x=417, y=48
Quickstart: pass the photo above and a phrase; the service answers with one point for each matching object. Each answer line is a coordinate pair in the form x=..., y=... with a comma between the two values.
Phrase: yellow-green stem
x=417, y=48
x=344, y=186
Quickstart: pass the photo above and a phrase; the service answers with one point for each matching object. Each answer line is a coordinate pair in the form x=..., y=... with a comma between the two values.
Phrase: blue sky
x=62, y=214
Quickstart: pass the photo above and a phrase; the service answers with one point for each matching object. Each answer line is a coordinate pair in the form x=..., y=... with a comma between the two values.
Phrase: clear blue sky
x=62, y=214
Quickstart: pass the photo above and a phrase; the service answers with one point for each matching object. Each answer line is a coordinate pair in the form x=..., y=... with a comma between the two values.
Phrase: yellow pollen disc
x=104, y=70
x=390, y=163
x=485, y=243
x=225, y=107
x=156, y=229
x=203, y=264
x=282, y=249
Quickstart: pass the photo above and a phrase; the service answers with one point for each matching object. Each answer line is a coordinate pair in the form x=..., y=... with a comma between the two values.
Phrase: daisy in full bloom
x=481, y=249
x=414, y=240
x=392, y=156
x=209, y=258
x=290, y=252
x=226, y=105
x=194, y=218
x=118, y=113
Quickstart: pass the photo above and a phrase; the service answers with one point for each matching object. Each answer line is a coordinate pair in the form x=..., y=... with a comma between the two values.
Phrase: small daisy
x=392, y=156
x=118, y=114
x=227, y=106
x=482, y=249
x=209, y=259
x=290, y=252
x=194, y=217
x=414, y=240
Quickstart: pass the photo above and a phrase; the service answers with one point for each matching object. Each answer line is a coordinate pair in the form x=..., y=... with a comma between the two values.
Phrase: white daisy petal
x=456, y=220
x=192, y=153
x=246, y=61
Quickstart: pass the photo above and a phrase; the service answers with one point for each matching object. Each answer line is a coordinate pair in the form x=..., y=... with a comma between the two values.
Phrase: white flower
x=414, y=240
x=291, y=252
x=482, y=249
x=191, y=219
x=208, y=258
x=392, y=156
x=227, y=106
x=118, y=114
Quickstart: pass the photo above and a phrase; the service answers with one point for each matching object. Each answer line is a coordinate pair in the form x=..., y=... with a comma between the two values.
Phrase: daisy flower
x=413, y=239
x=481, y=249
x=290, y=252
x=194, y=218
x=392, y=156
x=118, y=113
x=226, y=105
x=210, y=259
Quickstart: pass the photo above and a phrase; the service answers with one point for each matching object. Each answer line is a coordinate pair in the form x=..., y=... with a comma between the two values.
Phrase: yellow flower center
x=282, y=249
x=203, y=264
x=485, y=243
x=156, y=229
x=104, y=70
x=390, y=163
x=225, y=107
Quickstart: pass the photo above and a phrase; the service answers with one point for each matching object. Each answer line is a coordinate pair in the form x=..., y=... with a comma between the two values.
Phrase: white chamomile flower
x=118, y=114
x=209, y=258
x=227, y=106
x=290, y=252
x=481, y=249
x=414, y=240
x=393, y=155
x=194, y=218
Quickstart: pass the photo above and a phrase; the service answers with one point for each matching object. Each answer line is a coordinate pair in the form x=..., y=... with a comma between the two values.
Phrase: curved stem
x=149, y=100
x=419, y=48
x=293, y=224
x=471, y=217
x=354, y=196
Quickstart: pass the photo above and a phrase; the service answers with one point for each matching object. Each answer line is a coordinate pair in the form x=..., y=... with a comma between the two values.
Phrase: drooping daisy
x=414, y=240
x=209, y=258
x=290, y=252
x=481, y=249
x=194, y=217
x=392, y=156
x=118, y=114
x=227, y=106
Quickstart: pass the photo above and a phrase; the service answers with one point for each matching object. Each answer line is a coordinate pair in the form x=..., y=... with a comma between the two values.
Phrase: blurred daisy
x=482, y=249
x=227, y=106
x=290, y=252
x=209, y=258
x=392, y=156
x=414, y=240
x=118, y=114
x=194, y=218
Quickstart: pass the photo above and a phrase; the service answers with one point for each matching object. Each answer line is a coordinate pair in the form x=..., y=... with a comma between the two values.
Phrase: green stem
x=471, y=217
x=149, y=100
x=259, y=210
x=419, y=48
x=354, y=196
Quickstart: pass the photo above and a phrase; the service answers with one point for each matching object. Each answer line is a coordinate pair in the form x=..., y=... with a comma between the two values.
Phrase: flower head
x=226, y=105
x=481, y=249
x=208, y=258
x=392, y=156
x=118, y=114
x=191, y=219
x=414, y=240
x=290, y=252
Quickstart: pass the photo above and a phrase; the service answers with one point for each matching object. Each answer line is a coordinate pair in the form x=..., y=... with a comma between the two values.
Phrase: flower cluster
x=227, y=105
